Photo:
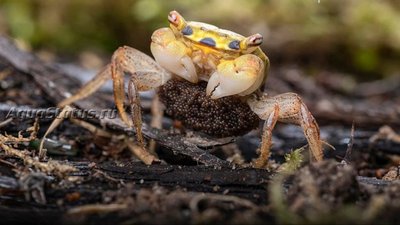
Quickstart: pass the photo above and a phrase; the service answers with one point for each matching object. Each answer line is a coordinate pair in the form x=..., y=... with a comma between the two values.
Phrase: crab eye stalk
x=254, y=40
x=176, y=20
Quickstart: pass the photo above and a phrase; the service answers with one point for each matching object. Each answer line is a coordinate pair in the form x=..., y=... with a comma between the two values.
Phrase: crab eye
x=174, y=18
x=234, y=45
x=187, y=31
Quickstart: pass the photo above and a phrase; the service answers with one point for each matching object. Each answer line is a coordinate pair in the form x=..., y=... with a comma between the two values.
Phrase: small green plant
x=293, y=160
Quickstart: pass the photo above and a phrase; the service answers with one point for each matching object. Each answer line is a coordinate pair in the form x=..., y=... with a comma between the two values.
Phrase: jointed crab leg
x=288, y=108
x=136, y=112
x=266, y=138
x=145, y=74
x=89, y=88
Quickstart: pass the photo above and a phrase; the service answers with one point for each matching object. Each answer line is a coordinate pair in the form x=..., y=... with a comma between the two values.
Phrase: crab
x=209, y=78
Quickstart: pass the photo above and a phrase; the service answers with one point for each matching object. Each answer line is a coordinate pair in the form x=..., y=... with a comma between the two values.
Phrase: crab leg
x=288, y=108
x=145, y=74
x=266, y=138
x=89, y=88
x=136, y=112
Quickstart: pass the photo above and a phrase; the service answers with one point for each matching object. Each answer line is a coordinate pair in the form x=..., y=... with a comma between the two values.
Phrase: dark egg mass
x=224, y=117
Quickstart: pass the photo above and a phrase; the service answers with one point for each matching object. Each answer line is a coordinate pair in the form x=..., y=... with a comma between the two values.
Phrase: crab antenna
x=254, y=40
x=176, y=20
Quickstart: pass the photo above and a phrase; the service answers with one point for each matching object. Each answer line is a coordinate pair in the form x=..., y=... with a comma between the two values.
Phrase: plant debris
x=49, y=167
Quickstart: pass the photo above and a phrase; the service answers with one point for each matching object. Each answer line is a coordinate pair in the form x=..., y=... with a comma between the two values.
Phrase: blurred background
x=358, y=38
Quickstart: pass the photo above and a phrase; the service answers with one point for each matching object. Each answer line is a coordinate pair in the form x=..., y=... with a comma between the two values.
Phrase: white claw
x=212, y=85
x=220, y=85
x=174, y=61
x=189, y=71
x=240, y=76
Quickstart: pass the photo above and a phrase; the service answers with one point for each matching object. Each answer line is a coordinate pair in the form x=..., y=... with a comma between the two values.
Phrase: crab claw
x=172, y=54
x=238, y=76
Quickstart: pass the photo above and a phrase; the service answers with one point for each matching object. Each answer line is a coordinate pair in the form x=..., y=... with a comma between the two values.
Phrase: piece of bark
x=248, y=183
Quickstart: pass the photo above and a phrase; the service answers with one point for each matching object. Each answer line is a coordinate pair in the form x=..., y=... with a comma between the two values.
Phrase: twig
x=347, y=157
x=53, y=125
x=108, y=177
x=50, y=167
x=96, y=208
x=8, y=163
x=194, y=202
x=47, y=167
x=385, y=133
x=141, y=153
x=5, y=122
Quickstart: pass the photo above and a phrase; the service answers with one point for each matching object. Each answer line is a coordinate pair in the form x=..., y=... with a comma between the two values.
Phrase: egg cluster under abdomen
x=224, y=117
